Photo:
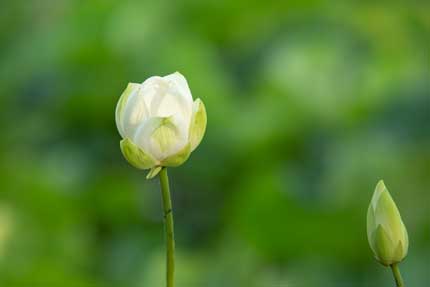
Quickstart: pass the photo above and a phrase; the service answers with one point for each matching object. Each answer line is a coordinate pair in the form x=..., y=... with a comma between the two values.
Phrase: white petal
x=150, y=88
x=161, y=136
x=135, y=113
x=172, y=97
x=182, y=85
x=131, y=90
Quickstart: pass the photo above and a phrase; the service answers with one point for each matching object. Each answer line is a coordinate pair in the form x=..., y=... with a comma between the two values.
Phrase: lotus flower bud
x=159, y=122
x=386, y=232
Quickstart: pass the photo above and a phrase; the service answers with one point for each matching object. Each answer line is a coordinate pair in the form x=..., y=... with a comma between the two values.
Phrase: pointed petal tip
x=381, y=185
x=379, y=190
x=153, y=172
x=176, y=74
x=131, y=84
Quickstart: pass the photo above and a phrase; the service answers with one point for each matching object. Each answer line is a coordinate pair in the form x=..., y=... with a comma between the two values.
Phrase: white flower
x=159, y=122
x=386, y=232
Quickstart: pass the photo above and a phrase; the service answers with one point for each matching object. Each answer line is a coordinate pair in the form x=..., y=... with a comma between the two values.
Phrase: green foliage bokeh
x=309, y=104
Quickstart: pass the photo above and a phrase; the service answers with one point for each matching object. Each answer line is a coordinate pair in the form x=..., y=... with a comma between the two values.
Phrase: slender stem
x=170, y=236
x=397, y=275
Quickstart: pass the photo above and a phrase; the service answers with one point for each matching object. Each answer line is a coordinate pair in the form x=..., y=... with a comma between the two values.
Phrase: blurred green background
x=309, y=104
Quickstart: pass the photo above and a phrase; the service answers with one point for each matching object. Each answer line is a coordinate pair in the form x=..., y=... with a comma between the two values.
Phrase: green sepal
x=384, y=247
x=136, y=156
x=179, y=158
x=198, y=124
x=153, y=172
x=399, y=253
x=371, y=227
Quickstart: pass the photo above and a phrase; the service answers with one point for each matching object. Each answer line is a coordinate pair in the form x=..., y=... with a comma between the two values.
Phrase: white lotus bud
x=386, y=232
x=159, y=122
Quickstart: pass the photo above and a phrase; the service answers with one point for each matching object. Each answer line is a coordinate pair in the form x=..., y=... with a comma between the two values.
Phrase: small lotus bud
x=386, y=232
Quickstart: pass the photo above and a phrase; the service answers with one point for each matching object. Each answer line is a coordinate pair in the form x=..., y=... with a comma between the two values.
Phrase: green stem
x=397, y=275
x=170, y=237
